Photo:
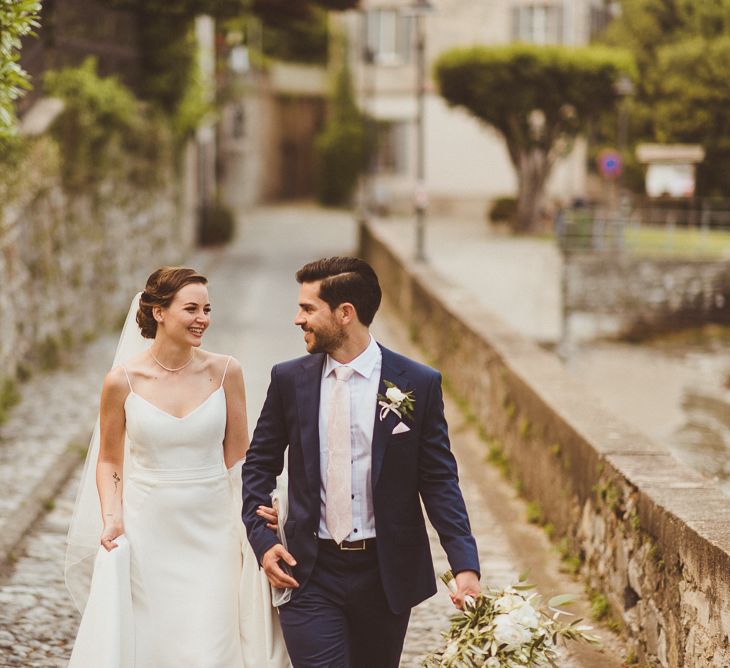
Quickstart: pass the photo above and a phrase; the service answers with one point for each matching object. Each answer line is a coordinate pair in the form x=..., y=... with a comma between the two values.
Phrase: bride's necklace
x=180, y=368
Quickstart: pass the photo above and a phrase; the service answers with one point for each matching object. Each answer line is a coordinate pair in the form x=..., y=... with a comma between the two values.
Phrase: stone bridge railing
x=644, y=296
x=650, y=535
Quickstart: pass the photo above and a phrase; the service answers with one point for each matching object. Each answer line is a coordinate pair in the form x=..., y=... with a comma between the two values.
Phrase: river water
x=676, y=389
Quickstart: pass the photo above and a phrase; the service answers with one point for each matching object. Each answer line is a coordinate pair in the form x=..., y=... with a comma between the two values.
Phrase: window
x=600, y=15
x=538, y=23
x=389, y=36
x=393, y=147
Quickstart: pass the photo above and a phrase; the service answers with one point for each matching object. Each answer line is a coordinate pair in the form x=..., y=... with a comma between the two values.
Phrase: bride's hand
x=270, y=515
x=112, y=531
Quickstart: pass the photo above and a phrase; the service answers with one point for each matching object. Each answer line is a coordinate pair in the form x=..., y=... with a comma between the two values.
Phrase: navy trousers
x=340, y=617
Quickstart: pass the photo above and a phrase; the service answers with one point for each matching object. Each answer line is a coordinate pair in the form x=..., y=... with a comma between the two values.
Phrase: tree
x=17, y=19
x=167, y=46
x=538, y=98
x=682, y=52
x=281, y=12
x=341, y=147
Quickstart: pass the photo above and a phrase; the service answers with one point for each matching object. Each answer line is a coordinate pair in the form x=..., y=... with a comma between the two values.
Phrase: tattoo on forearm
x=117, y=480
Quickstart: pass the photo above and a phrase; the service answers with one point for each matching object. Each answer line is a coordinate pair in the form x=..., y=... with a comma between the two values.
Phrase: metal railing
x=695, y=229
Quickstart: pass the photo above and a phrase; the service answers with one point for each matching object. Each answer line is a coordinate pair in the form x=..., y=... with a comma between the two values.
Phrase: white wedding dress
x=183, y=588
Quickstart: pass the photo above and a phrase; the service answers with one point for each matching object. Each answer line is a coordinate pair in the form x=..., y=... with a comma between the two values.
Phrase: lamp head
x=419, y=8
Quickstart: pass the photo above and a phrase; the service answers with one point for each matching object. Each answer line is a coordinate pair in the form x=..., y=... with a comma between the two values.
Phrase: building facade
x=466, y=162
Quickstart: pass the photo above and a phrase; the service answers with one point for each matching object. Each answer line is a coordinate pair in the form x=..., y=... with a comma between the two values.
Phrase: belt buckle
x=361, y=548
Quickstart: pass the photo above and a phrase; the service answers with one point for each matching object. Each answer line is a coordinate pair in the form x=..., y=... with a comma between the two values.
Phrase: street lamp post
x=624, y=87
x=367, y=62
x=419, y=9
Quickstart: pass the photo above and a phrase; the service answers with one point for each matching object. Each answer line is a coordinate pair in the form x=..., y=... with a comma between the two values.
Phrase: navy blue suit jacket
x=406, y=468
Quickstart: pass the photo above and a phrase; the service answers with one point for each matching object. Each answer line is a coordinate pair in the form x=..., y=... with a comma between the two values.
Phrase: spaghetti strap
x=228, y=361
x=129, y=382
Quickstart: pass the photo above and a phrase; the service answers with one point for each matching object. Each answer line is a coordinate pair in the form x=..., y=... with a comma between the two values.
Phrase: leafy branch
x=18, y=18
x=507, y=628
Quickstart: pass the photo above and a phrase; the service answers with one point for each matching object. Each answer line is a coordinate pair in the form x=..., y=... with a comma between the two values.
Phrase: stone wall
x=648, y=534
x=646, y=295
x=70, y=262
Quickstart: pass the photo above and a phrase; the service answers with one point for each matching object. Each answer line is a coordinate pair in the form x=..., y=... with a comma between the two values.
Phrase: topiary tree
x=341, y=146
x=17, y=19
x=539, y=98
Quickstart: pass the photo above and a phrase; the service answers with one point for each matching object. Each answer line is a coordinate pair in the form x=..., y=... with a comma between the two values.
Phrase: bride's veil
x=86, y=523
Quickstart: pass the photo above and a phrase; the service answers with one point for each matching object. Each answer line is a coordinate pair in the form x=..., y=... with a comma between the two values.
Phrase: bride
x=174, y=581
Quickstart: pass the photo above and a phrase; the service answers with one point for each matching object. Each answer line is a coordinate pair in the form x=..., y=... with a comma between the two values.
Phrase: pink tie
x=338, y=506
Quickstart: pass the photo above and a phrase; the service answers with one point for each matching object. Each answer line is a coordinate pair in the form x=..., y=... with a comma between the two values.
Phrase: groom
x=367, y=443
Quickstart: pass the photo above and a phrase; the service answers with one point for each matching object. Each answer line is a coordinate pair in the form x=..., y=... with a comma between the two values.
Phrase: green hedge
x=217, y=225
x=340, y=156
x=503, y=210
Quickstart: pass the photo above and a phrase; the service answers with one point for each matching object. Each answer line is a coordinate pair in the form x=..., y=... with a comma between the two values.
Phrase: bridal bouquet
x=506, y=628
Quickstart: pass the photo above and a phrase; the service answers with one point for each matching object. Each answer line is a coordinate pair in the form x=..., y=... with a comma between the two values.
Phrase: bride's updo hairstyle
x=161, y=288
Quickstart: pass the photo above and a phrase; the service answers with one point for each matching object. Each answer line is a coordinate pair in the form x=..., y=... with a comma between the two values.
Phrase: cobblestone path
x=38, y=621
x=56, y=409
x=254, y=295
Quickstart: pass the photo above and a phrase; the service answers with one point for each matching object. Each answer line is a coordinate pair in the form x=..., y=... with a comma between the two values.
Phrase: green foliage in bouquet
x=507, y=628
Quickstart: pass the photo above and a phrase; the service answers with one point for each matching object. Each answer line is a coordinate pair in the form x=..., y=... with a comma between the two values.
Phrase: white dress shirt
x=363, y=385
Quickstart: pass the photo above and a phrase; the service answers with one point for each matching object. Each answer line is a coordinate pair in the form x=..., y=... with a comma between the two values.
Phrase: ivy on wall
x=101, y=115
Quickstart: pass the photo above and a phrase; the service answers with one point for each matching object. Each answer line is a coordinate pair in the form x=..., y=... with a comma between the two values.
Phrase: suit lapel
x=382, y=429
x=309, y=382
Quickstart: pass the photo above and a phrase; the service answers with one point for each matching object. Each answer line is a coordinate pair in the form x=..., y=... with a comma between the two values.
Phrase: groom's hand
x=467, y=584
x=270, y=563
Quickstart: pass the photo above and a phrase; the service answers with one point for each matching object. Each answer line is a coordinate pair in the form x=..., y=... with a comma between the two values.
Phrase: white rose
x=395, y=395
x=525, y=616
x=508, y=632
x=509, y=602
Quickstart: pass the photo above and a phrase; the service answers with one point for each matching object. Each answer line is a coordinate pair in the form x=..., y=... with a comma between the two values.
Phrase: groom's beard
x=324, y=340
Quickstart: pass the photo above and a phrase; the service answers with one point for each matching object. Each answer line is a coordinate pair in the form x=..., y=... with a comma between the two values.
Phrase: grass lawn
x=680, y=242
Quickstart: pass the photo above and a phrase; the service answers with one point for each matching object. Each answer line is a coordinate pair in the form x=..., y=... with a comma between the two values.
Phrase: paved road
x=254, y=296
x=516, y=278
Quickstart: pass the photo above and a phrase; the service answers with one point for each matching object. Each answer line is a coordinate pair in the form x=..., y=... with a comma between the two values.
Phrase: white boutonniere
x=396, y=401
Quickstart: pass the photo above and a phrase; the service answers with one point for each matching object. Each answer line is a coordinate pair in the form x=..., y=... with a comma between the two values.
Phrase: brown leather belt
x=350, y=546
